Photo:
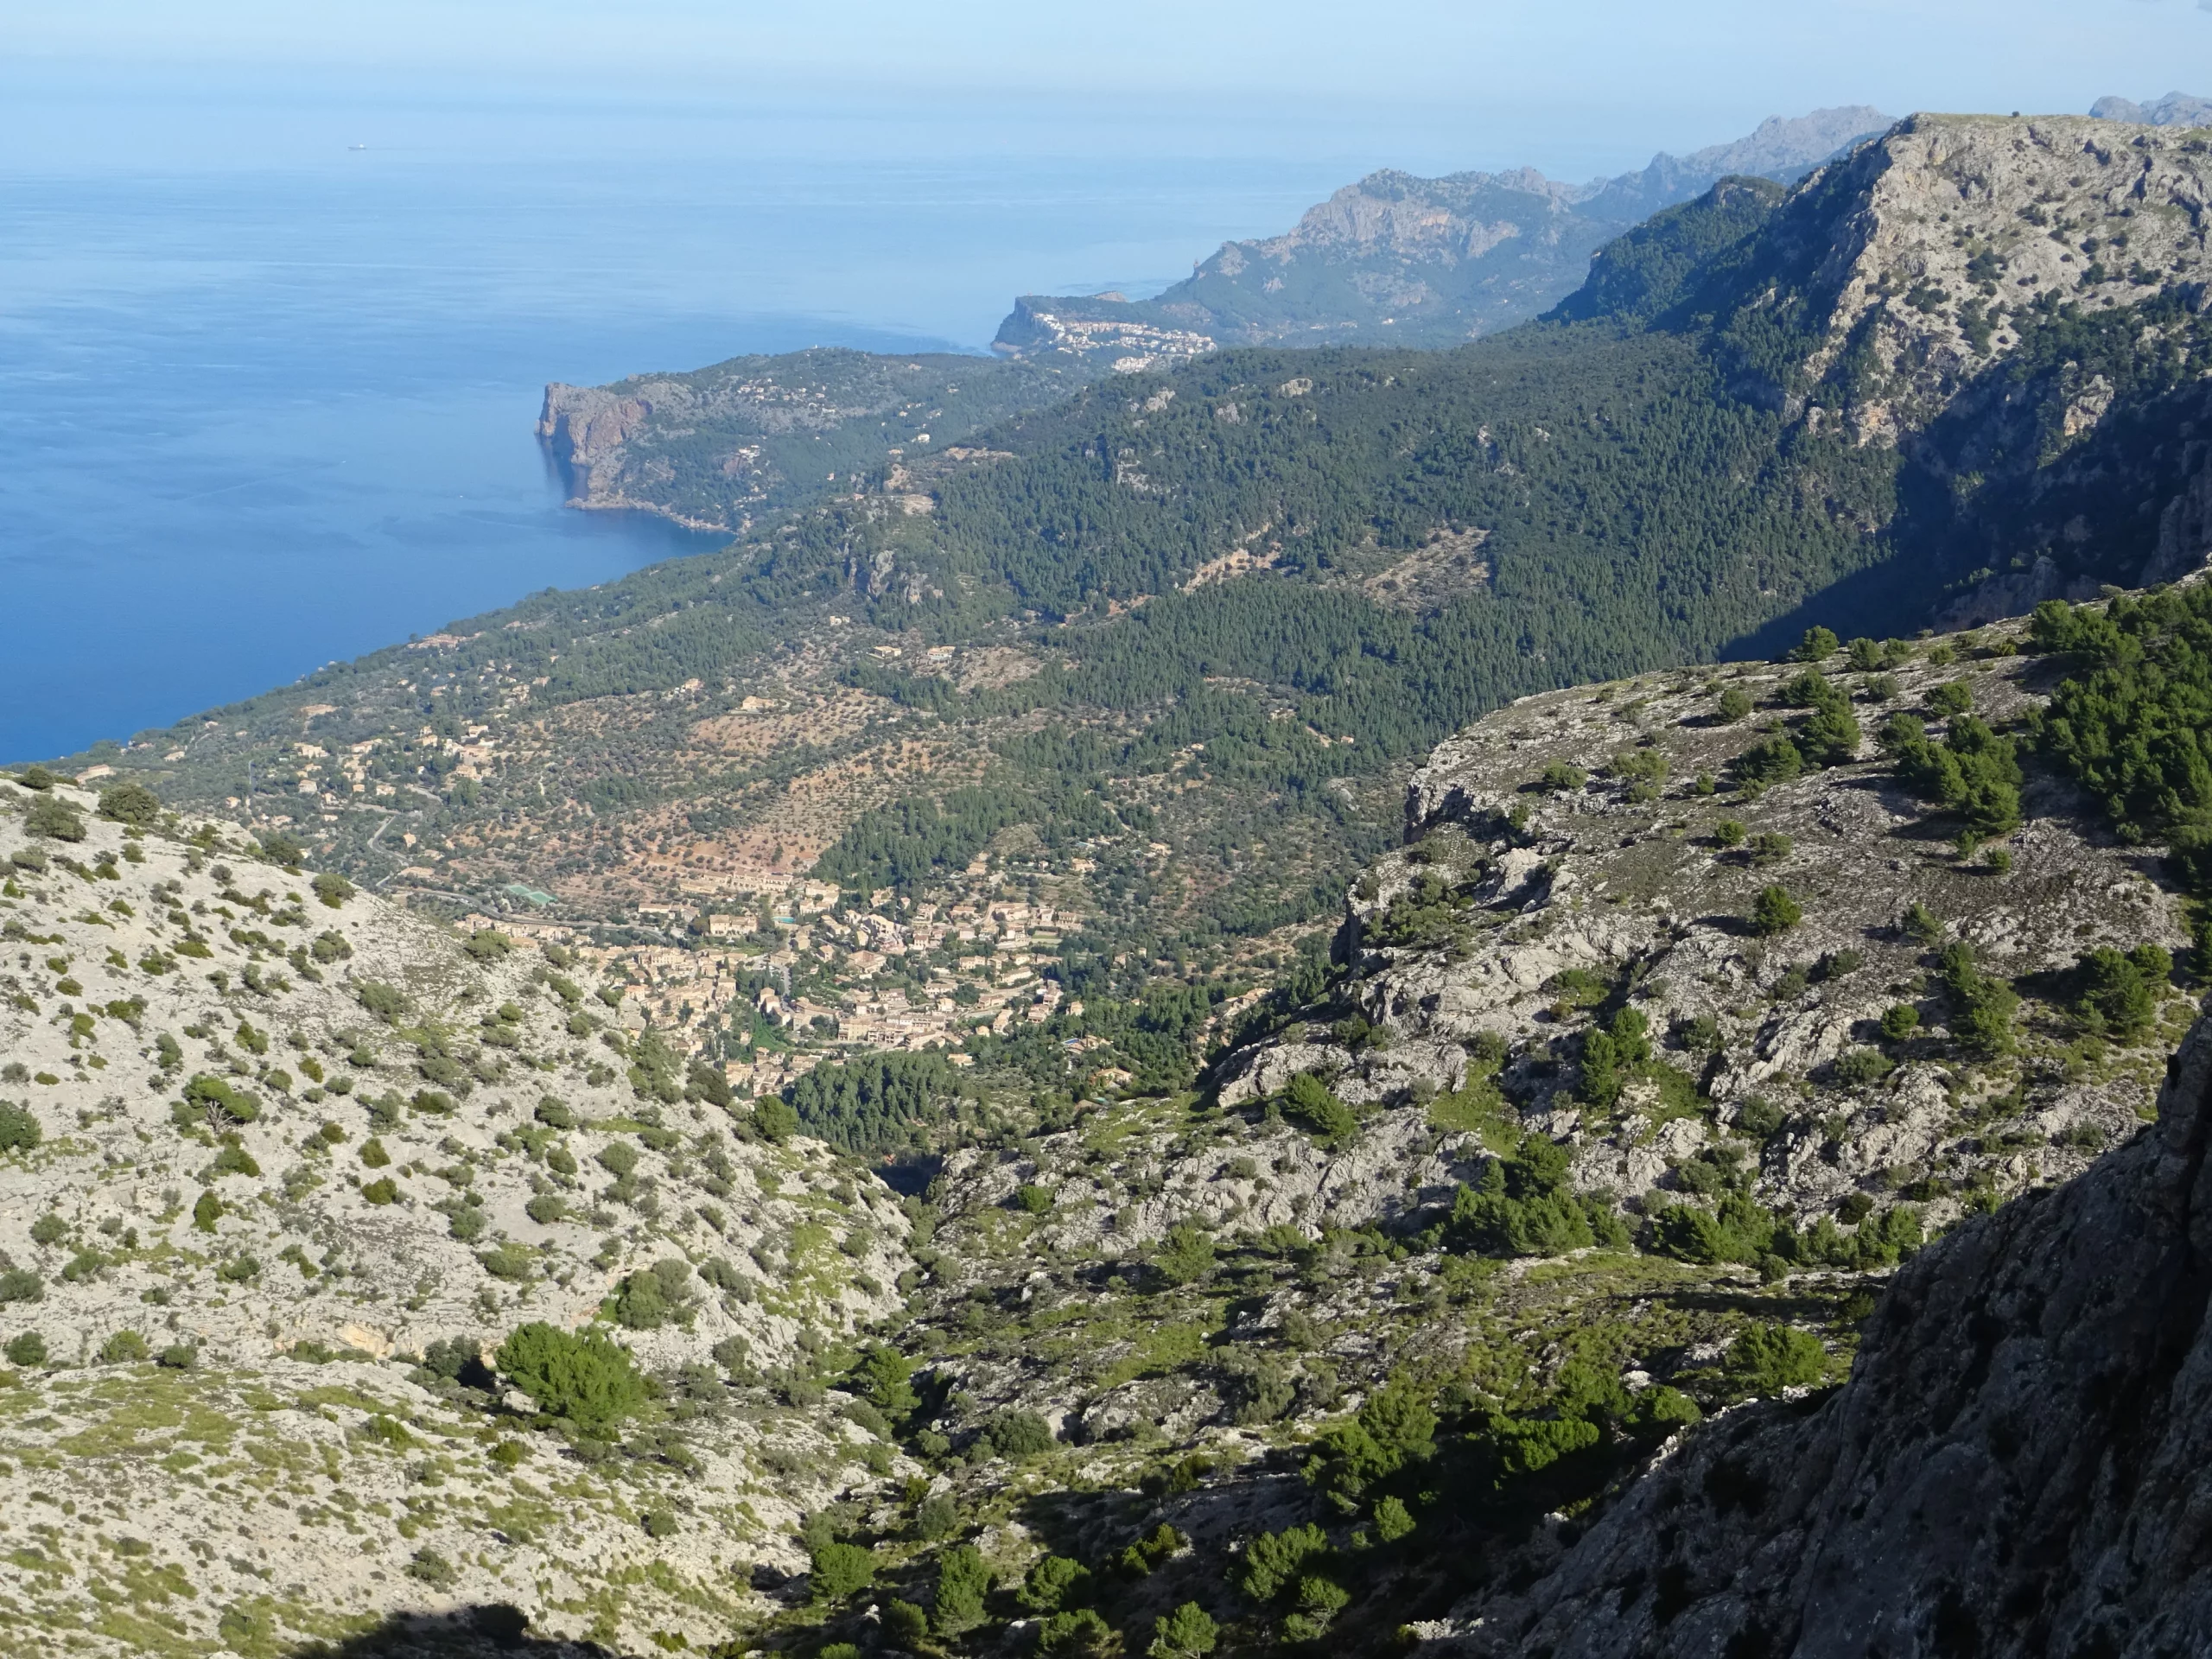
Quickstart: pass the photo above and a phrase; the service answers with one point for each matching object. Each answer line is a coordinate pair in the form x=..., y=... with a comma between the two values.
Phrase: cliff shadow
x=489, y=1631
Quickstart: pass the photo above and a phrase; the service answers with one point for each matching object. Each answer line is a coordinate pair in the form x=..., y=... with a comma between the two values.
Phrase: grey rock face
x=2017, y=1464
x=1642, y=896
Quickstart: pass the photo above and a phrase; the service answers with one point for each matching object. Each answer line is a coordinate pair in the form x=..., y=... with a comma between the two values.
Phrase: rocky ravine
x=2016, y=1467
x=287, y=1147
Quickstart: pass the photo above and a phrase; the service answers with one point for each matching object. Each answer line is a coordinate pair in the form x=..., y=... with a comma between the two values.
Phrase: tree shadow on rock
x=493, y=1630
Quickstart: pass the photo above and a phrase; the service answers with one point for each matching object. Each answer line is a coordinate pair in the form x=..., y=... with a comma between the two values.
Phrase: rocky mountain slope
x=268, y=1141
x=1583, y=1135
x=1580, y=854
x=1398, y=260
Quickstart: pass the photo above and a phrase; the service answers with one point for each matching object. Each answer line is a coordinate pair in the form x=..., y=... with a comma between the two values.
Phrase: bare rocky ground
x=1646, y=902
x=192, y=1503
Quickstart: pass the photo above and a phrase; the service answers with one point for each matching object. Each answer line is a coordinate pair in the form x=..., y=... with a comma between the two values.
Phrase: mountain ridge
x=1451, y=258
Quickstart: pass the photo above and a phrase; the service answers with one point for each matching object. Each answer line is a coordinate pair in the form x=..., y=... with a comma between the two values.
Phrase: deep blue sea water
x=257, y=421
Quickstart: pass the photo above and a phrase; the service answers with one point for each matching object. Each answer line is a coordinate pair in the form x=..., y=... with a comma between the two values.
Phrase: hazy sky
x=1575, y=85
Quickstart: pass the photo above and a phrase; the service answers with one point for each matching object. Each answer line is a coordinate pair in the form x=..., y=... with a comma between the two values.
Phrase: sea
x=254, y=419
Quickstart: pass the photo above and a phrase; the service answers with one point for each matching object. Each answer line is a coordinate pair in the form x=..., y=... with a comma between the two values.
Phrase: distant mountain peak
x=1781, y=143
x=1415, y=261
x=2174, y=110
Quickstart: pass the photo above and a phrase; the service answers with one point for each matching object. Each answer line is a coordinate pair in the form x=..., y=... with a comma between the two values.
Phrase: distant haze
x=1577, y=89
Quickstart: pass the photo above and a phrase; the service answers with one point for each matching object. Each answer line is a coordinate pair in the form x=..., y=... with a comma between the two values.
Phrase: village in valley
x=813, y=975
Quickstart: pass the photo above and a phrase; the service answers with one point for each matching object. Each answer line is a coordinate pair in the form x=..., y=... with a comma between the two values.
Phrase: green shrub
x=1817, y=646
x=1019, y=1435
x=1729, y=832
x=433, y=1569
x=1860, y=1066
x=1189, y=1632
x=1310, y=1104
x=1973, y=772
x=1772, y=760
x=28, y=1349
x=207, y=1212
x=125, y=1348
x=1982, y=1006
x=488, y=945
x=468, y=1224
x=620, y=1158
x=1053, y=1583
x=1274, y=1561
x=1768, y=1358
x=884, y=1378
x=130, y=804
x=1393, y=1520
x=372, y=1154
x=555, y=1115
x=1080, y=1634
x=584, y=1379
x=907, y=1625
x=1775, y=912
x=937, y=1516
x=1520, y=1205
x=510, y=1262
x=1760, y=1117
x=1036, y=1200
x=1612, y=1054
x=2117, y=993
x=280, y=848
x=660, y=1522
x=215, y=1100
x=178, y=1356
x=382, y=1191
x=647, y=1300
x=509, y=1454
x=964, y=1579
x=1953, y=698
x=775, y=1118
x=839, y=1572
x=546, y=1208
x=37, y=777
x=52, y=818
x=1185, y=1255
x=232, y=1159
x=47, y=1229
x=383, y=1000
x=1561, y=777
x=1900, y=1021
x=331, y=890
x=1734, y=703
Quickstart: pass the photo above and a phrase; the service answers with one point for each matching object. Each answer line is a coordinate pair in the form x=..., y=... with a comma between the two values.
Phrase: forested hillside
x=719, y=446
